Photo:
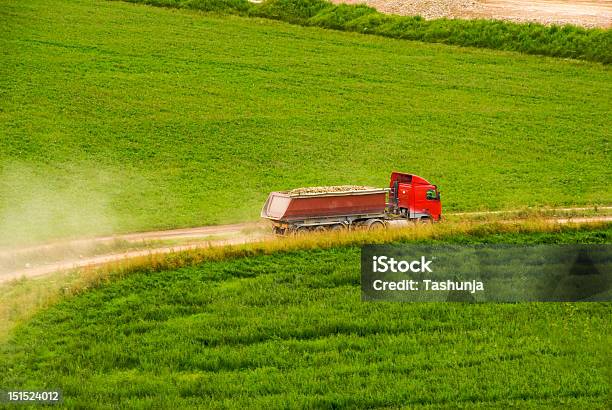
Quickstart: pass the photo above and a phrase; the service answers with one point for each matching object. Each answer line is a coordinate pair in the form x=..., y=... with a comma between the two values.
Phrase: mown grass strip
x=532, y=38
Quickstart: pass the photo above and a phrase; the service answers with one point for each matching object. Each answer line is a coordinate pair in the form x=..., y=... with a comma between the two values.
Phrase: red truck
x=408, y=198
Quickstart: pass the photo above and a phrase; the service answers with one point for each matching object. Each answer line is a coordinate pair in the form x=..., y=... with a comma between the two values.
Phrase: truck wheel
x=338, y=228
x=320, y=228
x=300, y=230
x=374, y=225
x=424, y=221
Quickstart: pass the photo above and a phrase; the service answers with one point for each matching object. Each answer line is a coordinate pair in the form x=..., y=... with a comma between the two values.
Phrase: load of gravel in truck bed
x=328, y=189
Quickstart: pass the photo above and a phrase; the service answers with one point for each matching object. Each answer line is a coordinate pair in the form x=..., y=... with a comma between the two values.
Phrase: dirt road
x=196, y=237
x=92, y=261
x=212, y=232
x=40, y=260
x=586, y=13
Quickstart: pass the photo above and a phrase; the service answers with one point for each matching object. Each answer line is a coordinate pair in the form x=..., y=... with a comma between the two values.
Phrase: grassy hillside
x=289, y=330
x=117, y=116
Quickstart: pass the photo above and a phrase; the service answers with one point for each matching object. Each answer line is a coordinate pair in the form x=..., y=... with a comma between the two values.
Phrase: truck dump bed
x=291, y=206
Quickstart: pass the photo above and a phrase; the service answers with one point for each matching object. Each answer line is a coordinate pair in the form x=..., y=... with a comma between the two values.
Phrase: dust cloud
x=38, y=205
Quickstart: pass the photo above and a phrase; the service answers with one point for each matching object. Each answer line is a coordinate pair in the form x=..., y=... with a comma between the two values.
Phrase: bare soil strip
x=585, y=13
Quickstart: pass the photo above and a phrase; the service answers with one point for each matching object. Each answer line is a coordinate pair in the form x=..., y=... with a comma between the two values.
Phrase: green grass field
x=288, y=330
x=122, y=117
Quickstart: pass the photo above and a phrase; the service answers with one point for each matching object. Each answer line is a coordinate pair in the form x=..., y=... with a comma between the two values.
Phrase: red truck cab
x=414, y=197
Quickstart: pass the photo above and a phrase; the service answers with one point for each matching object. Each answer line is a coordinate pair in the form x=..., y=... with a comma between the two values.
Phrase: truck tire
x=320, y=228
x=374, y=224
x=300, y=230
x=424, y=221
x=338, y=228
